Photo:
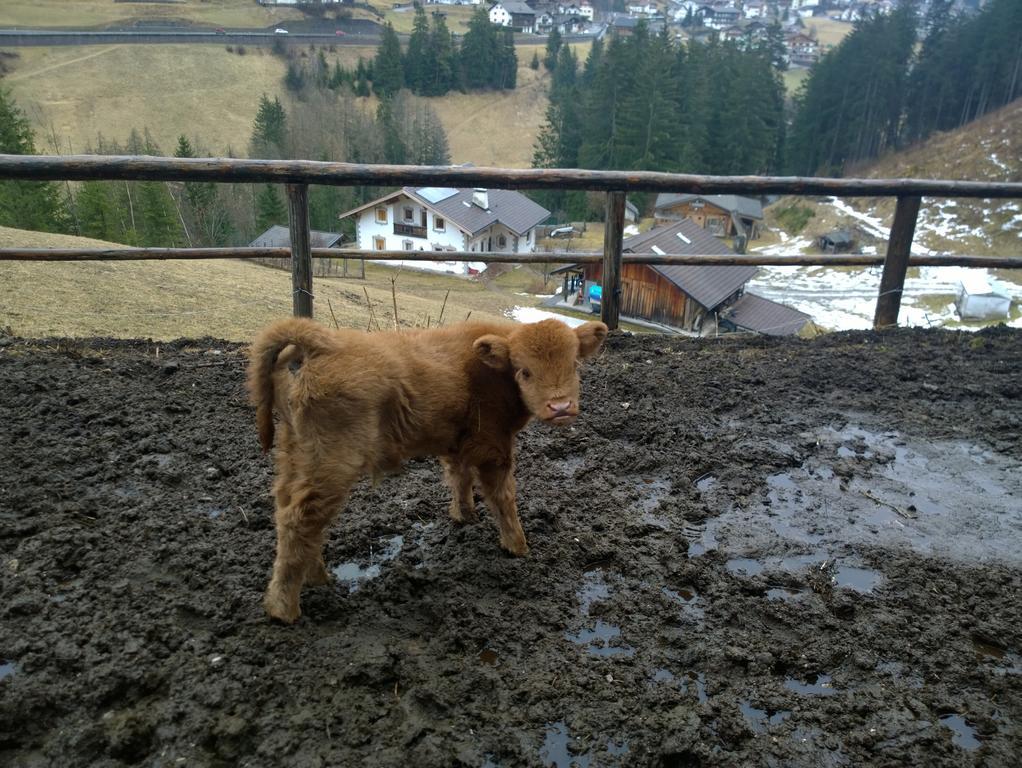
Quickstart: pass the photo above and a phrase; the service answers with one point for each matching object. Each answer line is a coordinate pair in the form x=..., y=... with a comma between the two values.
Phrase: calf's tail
x=308, y=338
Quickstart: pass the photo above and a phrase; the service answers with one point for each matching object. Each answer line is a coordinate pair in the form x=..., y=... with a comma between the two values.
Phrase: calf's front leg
x=498, y=482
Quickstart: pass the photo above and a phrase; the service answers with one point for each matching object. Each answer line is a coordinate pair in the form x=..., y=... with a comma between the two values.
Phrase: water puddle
x=962, y=734
x=652, y=491
x=689, y=600
x=859, y=579
x=760, y=720
x=602, y=640
x=813, y=685
x=570, y=466
x=7, y=669
x=354, y=574
x=661, y=675
x=701, y=539
x=698, y=679
x=856, y=578
x=705, y=483
x=594, y=588
x=785, y=594
x=900, y=673
x=949, y=498
x=557, y=750
x=1004, y=662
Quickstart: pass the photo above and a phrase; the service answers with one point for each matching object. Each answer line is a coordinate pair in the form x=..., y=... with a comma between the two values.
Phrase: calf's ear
x=590, y=338
x=494, y=351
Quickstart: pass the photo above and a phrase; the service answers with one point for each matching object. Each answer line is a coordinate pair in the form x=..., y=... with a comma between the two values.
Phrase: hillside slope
x=224, y=298
x=206, y=92
x=989, y=149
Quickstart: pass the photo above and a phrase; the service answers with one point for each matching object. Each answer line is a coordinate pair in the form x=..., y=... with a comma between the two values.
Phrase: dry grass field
x=94, y=13
x=197, y=90
x=226, y=299
x=457, y=17
x=203, y=91
x=828, y=32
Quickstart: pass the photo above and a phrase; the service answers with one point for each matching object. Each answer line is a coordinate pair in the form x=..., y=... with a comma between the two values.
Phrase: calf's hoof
x=280, y=608
x=463, y=514
x=318, y=575
x=516, y=547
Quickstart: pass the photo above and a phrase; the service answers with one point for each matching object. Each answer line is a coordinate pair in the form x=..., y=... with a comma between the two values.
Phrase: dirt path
x=61, y=64
x=759, y=552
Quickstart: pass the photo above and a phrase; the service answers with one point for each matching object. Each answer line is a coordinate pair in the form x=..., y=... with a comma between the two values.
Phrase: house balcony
x=409, y=230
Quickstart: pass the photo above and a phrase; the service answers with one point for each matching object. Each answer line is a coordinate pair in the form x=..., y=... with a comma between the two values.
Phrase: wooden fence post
x=613, y=234
x=301, y=248
x=899, y=248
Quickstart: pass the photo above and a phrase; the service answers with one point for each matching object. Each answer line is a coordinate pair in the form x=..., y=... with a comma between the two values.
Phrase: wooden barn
x=694, y=299
x=721, y=215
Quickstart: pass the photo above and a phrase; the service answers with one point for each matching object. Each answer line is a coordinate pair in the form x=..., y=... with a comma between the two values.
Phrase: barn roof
x=279, y=236
x=744, y=206
x=754, y=313
x=708, y=285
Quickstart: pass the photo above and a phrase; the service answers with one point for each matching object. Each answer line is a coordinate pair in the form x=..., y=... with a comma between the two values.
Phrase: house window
x=381, y=215
x=409, y=215
x=438, y=247
x=439, y=224
x=380, y=243
x=502, y=241
x=407, y=244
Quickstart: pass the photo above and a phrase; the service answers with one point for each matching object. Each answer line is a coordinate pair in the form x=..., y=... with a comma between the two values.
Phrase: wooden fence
x=297, y=175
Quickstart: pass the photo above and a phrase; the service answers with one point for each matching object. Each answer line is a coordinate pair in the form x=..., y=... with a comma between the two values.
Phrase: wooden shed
x=721, y=215
x=678, y=296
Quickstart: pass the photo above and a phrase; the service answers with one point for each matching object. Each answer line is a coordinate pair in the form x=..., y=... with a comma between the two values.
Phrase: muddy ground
x=770, y=552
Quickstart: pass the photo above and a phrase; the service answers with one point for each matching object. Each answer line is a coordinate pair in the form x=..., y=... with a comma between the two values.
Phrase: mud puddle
x=860, y=487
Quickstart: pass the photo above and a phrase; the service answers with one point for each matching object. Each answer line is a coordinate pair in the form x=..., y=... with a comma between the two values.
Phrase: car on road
x=340, y=32
x=279, y=31
x=220, y=31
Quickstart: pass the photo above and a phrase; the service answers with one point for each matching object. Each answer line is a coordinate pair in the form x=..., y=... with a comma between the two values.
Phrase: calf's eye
x=526, y=373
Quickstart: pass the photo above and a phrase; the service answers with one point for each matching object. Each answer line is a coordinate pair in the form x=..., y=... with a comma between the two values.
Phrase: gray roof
x=709, y=286
x=512, y=209
x=278, y=236
x=754, y=313
x=744, y=206
x=517, y=7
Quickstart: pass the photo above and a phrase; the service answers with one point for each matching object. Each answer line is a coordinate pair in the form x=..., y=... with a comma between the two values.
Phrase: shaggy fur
x=352, y=404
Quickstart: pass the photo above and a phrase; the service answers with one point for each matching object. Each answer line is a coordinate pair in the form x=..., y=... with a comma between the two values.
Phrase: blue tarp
x=595, y=293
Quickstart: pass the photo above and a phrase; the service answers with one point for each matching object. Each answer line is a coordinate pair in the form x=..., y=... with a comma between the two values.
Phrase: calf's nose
x=560, y=408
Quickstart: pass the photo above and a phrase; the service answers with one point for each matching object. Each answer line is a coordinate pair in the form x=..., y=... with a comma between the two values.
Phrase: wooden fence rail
x=297, y=175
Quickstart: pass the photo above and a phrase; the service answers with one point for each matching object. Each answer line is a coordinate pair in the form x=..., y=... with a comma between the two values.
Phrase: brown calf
x=352, y=404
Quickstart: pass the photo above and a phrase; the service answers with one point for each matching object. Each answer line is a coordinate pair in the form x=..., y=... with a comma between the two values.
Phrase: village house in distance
x=446, y=219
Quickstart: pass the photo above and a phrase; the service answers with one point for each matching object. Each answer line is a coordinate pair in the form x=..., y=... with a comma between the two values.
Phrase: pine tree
x=394, y=150
x=388, y=70
x=479, y=51
x=417, y=59
x=506, y=75
x=553, y=47
x=32, y=205
x=270, y=208
x=269, y=132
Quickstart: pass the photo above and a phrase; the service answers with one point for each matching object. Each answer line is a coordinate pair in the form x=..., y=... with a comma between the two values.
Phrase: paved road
x=357, y=32
x=13, y=37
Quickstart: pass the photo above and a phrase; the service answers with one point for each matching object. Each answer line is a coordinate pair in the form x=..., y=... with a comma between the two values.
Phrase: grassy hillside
x=989, y=149
x=96, y=13
x=76, y=93
x=227, y=299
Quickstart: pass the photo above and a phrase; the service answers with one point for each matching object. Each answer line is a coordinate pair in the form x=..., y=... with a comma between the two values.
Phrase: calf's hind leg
x=301, y=529
x=459, y=479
